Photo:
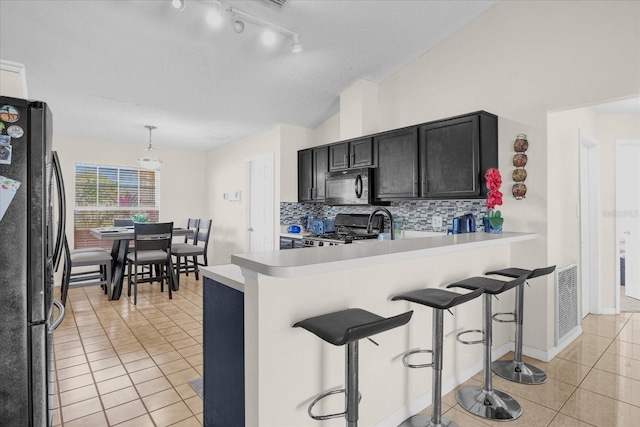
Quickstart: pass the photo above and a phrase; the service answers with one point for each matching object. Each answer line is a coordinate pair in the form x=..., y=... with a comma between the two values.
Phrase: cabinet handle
x=353, y=159
x=424, y=188
x=344, y=160
x=415, y=188
x=309, y=192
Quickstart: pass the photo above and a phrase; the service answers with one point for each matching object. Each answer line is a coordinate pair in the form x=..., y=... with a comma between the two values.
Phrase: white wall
x=225, y=172
x=328, y=131
x=520, y=60
x=181, y=176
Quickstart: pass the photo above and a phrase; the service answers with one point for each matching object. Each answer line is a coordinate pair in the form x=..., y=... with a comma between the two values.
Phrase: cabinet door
x=361, y=151
x=396, y=154
x=450, y=159
x=338, y=156
x=320, y=169
x=305, y=175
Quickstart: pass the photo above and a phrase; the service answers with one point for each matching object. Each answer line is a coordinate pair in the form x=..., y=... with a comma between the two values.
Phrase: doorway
x=589, y=223
x=627, y=225
x=260, y=207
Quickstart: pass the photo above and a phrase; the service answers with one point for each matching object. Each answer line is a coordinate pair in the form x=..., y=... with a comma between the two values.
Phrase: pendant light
x=148, y=160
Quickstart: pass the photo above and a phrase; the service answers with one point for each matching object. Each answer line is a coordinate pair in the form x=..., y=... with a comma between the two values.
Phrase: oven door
x=349, y=187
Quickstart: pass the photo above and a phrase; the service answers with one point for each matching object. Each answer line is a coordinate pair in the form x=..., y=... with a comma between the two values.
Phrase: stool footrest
x=322, y=396
x=496, y=317
x=468, y=331
x=412, y=352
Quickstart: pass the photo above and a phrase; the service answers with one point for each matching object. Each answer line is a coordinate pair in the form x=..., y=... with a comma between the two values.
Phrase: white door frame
x=589, y=223
x=618, y=224
x=269, y=157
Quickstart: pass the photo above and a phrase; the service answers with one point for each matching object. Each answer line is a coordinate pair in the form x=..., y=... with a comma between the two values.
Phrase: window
x=107, y=192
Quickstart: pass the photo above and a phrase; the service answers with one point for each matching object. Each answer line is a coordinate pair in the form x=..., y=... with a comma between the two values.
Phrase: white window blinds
x=103, y=193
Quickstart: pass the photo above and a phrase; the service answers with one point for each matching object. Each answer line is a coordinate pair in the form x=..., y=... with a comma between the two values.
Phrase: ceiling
x=624, y=106
x=108, y=68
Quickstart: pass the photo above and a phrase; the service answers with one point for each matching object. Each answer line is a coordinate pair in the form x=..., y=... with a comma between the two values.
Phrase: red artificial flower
x=494, y=198
x=493, y=179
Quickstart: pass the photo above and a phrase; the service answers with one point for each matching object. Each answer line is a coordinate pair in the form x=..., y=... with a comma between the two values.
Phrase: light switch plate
x=436, y=222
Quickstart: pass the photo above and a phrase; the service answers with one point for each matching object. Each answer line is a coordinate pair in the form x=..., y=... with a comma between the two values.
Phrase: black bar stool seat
x=348, y=327
x=485, y=401
x=516, y=370
x=439, y=300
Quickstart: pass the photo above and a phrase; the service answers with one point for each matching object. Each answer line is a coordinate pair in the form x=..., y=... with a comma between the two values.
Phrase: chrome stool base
x=422, y=420
x=493, y=405
x=519, y=372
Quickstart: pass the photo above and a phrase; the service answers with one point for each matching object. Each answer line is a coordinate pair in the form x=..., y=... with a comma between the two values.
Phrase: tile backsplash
x=416, y=214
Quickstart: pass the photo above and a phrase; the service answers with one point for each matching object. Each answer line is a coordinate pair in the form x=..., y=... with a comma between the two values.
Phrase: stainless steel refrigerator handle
x=60, y=314
x=62, y=210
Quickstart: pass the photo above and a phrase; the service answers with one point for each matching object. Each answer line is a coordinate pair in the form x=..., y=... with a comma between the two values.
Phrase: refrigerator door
x=14, y=375
x=40, y=281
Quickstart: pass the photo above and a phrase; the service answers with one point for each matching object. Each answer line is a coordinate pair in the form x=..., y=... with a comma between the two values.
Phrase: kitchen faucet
x=385, y=210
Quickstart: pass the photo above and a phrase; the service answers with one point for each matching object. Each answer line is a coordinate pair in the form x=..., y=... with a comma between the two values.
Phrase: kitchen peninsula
x=250, y=306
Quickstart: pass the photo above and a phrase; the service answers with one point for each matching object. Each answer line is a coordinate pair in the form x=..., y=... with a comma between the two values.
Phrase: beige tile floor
x=125, y=365
x=595, y=381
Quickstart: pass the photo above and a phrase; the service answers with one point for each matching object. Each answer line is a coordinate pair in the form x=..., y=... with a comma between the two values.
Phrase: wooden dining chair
x=184, y=251
x=151, y=247
x=85, y=258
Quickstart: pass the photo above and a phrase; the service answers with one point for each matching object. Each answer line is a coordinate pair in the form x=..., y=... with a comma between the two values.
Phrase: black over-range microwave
x=350, y=187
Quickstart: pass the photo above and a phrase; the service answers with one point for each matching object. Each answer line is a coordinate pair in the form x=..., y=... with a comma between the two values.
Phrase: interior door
x=589, y=224
x=260, y=230
x=627, y=216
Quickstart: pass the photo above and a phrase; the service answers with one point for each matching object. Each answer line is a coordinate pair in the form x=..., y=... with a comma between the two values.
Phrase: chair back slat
x=122, y=222
x=204, y=232
x=192, y=224
x=155, y=236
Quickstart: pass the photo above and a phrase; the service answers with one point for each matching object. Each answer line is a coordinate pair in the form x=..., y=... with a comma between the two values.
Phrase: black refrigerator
x=31, y=227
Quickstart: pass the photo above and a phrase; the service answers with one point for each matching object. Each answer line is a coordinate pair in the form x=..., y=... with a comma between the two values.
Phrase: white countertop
x=300, y=262
x=227, y=274
x=294, y=235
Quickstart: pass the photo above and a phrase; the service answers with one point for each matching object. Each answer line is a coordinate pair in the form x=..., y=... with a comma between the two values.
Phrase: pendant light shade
x=148, y=159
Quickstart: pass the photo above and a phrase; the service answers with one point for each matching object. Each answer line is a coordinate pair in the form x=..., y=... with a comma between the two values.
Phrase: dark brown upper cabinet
x=396, y=154
x=313, y=166
x=454, y=155
x=339, y=156
x=450, y=158
x=356, y=153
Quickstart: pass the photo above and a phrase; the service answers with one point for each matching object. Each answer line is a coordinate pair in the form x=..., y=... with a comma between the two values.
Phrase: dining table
x=121, y=236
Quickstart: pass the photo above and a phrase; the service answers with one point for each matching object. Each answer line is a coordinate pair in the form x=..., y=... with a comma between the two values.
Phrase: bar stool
x=348, y=327
x=485, y=401
x=439, y=300
x=516, y=370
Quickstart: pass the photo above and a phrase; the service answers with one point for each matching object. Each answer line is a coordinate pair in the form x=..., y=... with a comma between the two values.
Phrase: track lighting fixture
x=296, y=47
x=178, y=5
x=238, y=25
x=217, y=15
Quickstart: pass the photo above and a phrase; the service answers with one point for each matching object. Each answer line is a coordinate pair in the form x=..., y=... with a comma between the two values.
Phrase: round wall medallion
x=521, y=145
x=520, y=160
x=519, y=190
x=519, y=175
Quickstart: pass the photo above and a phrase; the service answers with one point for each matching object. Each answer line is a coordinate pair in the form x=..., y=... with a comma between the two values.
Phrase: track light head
x=179, y=5
x=238, y=25
x=296, y=47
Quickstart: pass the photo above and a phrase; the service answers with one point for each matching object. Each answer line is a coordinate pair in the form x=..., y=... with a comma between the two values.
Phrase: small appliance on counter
x=293, y=229
x=323, y=226
x=349, y=228
x=463, y=224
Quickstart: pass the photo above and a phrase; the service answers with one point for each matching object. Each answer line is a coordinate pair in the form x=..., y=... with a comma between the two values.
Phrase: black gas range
x=349, y=228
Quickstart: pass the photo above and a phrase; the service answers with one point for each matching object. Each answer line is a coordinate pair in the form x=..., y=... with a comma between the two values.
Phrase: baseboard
x=607, y=310
x=449, y=384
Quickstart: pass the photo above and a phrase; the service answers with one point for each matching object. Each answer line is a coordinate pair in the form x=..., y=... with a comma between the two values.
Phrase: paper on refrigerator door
x=8, y=189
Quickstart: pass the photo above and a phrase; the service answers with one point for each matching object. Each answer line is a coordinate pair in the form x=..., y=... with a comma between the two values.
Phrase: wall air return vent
x=567, y=313
x=275, y=4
